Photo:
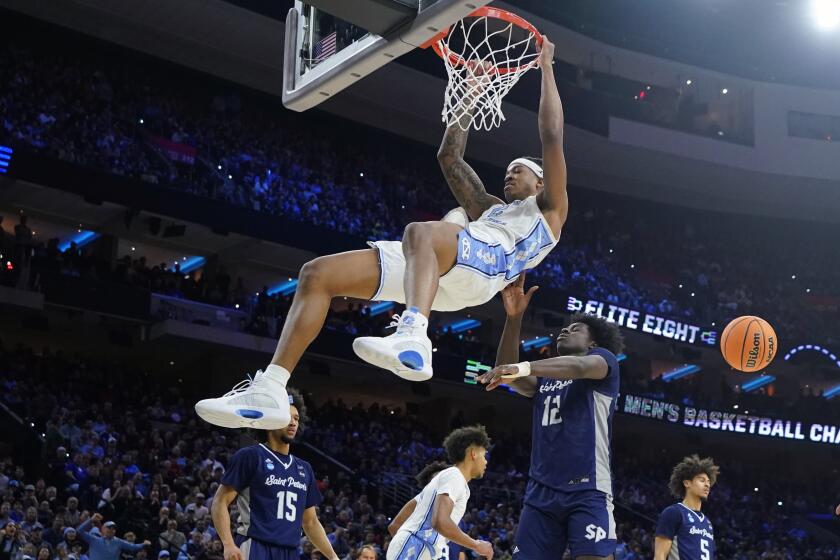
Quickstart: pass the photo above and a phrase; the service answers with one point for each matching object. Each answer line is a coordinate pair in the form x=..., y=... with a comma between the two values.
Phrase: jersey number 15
x=286, y=508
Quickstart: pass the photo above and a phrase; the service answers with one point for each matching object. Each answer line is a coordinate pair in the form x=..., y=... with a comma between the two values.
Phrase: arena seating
x=141, y=458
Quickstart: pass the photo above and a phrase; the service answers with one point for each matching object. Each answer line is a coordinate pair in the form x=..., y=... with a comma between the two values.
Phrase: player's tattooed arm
x=464, y=182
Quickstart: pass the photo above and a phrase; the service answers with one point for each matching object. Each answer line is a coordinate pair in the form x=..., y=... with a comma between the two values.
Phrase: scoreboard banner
x=645, y=322
x=719, y=421
x=701, y=418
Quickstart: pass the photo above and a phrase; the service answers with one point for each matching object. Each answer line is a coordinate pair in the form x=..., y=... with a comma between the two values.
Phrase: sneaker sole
x=239, y=418
x=399, y=368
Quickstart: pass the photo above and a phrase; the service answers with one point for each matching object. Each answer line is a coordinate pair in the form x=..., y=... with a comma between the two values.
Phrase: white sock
x=420, y=320
x=278, y=373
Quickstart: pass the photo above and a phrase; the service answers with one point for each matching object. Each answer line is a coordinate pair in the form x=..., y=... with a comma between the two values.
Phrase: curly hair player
x=568, y=500
x=276, y=494
x=447, y=265
x=683, y=531
x=424, y=526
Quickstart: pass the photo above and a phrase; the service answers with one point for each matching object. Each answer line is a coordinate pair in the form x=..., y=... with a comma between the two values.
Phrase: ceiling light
x=826, y=13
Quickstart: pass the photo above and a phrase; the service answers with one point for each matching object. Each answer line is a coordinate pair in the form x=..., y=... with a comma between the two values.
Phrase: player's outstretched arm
x=662, y=546
x=516, y=301
x=464, y=182
x=561, y=367
x=404, y=514
x=317, y=535
x=221, y=520
x=443, y=524
x=553, y=199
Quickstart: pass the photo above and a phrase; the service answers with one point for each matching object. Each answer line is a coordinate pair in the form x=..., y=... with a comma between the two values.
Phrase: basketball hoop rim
x=497, y=13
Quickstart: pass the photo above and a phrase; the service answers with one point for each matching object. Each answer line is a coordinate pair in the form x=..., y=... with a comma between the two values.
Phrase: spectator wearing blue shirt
x=107, y=546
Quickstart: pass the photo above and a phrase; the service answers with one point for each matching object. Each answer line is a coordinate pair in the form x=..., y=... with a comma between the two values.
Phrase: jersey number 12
x=551, y=411
x=286, y=508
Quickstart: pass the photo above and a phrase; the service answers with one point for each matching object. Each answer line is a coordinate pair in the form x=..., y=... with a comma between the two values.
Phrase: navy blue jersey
x=572, y=430
x=690, y=531
x=274, y=490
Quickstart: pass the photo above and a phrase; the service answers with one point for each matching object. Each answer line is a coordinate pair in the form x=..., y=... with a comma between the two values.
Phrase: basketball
x=749, y=343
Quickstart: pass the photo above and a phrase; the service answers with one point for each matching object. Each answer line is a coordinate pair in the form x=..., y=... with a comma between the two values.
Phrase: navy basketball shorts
x=252, y=549
x=552, y=519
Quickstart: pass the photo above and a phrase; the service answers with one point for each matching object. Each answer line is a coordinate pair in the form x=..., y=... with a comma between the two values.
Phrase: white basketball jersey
x=520, y=228
x=448, y=481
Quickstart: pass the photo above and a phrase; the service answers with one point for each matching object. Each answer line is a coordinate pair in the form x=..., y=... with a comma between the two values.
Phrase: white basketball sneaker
x=261, y=403
x=407, y=352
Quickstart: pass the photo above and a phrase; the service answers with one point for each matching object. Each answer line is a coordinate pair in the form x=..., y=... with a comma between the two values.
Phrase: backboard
x=324, y=54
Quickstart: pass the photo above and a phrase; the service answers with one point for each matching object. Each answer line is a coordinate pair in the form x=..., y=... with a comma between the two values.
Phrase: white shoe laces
x=244, y=385
x=401, y=328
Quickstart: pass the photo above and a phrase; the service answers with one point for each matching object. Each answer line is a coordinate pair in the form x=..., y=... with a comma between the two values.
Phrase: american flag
x=324, y=48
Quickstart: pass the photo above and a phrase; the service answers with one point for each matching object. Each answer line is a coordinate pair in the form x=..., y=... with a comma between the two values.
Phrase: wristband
x=523, y=370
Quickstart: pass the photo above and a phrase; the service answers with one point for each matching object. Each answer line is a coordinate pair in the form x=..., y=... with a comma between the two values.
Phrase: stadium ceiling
x=784, y=41
x=243, y=46
x=764, y=40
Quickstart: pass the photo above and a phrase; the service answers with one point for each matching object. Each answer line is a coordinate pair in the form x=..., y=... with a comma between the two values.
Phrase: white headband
x=533, y=166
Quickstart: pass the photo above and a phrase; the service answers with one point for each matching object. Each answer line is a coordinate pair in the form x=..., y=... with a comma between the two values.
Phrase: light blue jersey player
x=683, y=531
x=276, y=495
x=425, y=525
x=568, y=500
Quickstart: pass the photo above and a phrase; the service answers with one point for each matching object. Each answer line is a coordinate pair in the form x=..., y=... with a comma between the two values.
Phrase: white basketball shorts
x=406, y=546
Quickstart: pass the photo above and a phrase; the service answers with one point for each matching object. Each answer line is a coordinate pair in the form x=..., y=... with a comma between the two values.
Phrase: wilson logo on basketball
x=752, y=357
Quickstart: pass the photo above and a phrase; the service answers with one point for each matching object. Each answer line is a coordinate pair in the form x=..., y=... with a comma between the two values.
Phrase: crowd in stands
x=85, y=106
x=263, y=315
x=119, y=444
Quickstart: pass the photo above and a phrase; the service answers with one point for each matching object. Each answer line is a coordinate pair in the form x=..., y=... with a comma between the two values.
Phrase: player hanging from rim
x=683, y=531
x=425, y=525
x=276, y=494
x=568, y=500
x=445, y=265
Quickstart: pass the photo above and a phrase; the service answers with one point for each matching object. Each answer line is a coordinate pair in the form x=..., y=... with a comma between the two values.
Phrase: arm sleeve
x=669, y=523
x=241, y=469
x=313, y=495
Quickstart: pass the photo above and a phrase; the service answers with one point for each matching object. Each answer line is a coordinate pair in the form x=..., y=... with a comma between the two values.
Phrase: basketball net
x=485, y=54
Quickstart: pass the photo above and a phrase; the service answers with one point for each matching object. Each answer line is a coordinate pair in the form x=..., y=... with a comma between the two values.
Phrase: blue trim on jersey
x=498, y=257
x=425, y=532
x=405, y=544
